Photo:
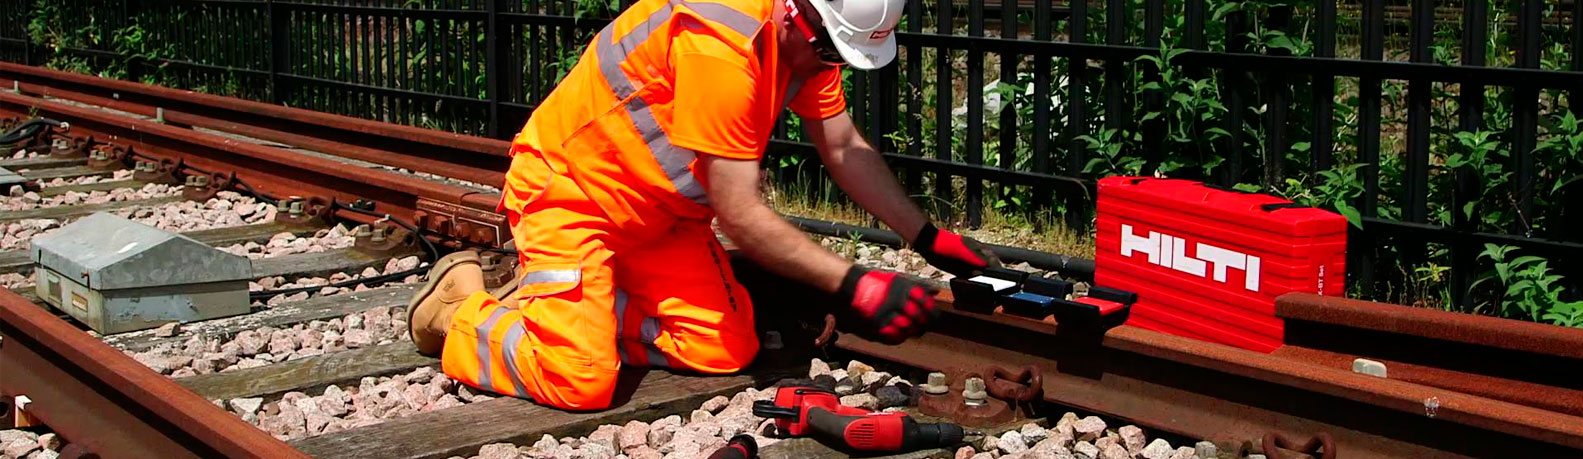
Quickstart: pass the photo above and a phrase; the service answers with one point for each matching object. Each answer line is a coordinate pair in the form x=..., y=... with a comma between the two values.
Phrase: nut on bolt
x=936, y=384
x=973, y=393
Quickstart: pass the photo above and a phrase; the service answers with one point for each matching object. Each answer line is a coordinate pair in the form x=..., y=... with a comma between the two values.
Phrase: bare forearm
x=863, y=174
x=778, y=246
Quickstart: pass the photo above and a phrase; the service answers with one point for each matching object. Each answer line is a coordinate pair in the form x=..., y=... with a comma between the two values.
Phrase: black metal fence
x=1440, y=126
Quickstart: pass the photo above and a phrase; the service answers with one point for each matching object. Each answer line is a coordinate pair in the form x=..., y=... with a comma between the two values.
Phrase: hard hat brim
x=868, y=57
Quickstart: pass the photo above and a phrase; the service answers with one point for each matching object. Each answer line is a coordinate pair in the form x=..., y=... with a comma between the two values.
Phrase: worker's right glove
x=888, y=307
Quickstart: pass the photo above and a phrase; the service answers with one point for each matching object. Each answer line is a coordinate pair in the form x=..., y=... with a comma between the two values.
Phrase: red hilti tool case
x=1207, y=263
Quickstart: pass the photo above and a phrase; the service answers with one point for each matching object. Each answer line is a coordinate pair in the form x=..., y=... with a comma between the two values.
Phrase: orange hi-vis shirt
x=666, y=79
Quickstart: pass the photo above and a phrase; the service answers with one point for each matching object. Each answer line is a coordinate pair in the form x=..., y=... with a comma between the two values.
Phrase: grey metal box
x=117, y=275
x=8, y=178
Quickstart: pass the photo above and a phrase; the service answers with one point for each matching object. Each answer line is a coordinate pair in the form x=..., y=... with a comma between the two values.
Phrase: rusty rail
x=1497, y=358
x=462, y=157
x=1232, y=396
x=276, y=171
x=101, y=399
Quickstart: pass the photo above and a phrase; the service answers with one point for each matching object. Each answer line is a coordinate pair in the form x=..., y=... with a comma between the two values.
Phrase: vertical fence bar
x=1193, y=38
x=492, y=59
x=277, y=50
x=1234, y=82
x=1040, y=148
x=1525, y=124
x=1275, y=88
x=1116, y=13
x=1193, y=19
x=914, y=175
x=1369, y=141
x=1415, y=191
x=390, y=46
x=1153, y=130
x=1008, y=104
x=1576, y=99
x=943, y=86
x=975, y=113
x=1464, y=264
x=1324, y=140
x=1077, y=117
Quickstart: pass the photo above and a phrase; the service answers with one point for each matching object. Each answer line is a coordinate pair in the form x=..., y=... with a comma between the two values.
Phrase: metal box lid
x=107, y=252
x=8, y=178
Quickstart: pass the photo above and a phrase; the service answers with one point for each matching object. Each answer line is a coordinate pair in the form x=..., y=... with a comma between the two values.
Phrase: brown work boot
x=453, y=278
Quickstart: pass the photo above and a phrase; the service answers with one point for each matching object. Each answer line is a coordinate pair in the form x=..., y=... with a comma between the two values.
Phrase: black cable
x=434, y=253
x=350, y=283
x=32, y=127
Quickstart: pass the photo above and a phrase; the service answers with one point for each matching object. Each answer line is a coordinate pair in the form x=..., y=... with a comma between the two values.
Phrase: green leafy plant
x=1531, y=291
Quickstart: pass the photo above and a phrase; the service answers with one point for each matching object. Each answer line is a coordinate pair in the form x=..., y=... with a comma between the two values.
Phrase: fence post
x=492, y=58
x=277, y=45
x=134, y=66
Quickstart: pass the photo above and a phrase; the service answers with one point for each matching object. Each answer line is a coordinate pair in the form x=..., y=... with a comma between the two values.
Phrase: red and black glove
x=953, y=253
x=888, y=307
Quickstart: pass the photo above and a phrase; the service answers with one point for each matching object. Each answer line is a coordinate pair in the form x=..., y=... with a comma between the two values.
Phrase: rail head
x=104, y=400
x=1487, y=331
x=481, y=145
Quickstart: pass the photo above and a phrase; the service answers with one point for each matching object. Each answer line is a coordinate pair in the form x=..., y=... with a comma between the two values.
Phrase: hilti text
x=1171, y=252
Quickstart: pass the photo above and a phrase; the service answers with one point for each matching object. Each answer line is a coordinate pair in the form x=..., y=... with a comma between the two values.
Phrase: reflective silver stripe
x=514, y=338
x=656, y=359
x=672, y=160
x=650, y=330
x=552, y=275
x=483, y=345
x=612, y=52
x=621, y=312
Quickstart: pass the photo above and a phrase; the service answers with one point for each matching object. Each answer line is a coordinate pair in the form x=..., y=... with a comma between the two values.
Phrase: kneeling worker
x=615, y=178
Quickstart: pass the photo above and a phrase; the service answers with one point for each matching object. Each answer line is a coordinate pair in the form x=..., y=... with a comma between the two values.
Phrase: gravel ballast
x=266, y=345
x=706, y=429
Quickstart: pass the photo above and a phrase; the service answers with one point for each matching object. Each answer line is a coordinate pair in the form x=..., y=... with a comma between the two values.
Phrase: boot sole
x=437, y=271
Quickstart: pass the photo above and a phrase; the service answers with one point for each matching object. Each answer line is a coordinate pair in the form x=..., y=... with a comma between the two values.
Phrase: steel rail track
x=326, y=184
x=107, y=402
x=1232, y=396
x=1164, y=382
x=462, y=157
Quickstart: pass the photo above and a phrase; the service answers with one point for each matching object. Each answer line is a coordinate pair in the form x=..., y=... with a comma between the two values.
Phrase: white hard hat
x=863, y=30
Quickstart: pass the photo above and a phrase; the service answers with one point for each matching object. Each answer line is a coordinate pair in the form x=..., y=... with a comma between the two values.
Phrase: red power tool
x=800, y=410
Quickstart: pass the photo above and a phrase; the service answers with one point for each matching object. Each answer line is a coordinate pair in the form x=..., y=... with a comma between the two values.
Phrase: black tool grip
x=741, y=446
x=918, y=436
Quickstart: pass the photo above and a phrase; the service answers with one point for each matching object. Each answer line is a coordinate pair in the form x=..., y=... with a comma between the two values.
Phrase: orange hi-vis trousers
x=651, y=291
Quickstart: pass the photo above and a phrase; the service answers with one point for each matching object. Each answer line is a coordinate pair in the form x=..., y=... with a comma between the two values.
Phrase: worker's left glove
x=886, y=306
x=953, y=253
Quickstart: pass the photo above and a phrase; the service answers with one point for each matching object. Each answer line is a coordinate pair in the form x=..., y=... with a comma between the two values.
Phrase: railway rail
x=1458, y=386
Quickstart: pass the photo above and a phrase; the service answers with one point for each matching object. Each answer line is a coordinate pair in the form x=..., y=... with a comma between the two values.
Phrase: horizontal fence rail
x=1438, y=127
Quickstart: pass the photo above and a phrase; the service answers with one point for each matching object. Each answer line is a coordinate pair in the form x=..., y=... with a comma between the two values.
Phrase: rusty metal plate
x=473, y=225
